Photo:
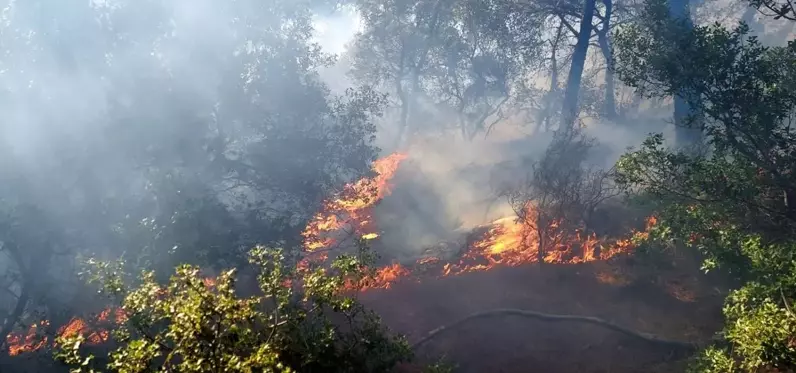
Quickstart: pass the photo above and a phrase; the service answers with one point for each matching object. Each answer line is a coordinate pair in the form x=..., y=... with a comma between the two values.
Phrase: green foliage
x=734, y=200
x=300, y=320
x=759, y=322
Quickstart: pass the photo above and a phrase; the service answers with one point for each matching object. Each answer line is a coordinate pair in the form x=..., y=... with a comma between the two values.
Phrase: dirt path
x=513, y=344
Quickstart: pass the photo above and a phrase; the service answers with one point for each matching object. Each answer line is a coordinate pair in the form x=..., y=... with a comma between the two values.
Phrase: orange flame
x=382, y=278
x=209, y=282
x=511, y=243
x=27, y=342
x=351, y=209
x=508, y=242
x=95, y=333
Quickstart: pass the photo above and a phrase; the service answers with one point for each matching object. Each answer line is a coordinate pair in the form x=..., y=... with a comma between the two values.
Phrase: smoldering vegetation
x=189, y=131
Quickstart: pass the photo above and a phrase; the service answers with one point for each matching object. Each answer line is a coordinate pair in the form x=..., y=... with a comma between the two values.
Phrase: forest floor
x=676, y=303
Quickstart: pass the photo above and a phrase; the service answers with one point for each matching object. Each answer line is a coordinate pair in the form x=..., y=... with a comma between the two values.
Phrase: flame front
x=507, y=242
x=352, y=208
x=510, y=242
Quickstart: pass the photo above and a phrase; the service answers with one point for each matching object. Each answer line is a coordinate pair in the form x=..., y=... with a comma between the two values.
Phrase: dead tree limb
x=555, y=318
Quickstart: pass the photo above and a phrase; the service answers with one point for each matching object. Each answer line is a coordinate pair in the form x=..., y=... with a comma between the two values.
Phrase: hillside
x=674, y=307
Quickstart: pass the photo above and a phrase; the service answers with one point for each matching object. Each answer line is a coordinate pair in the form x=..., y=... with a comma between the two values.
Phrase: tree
x=733, y=202
x=392, y=53
x=609, y=15
x=775, y=9
x=23, y=248
x=448, y=58
x=198, y=124
x=686, y=115
x=570, y=105
x=603, y=39
x=543, y=118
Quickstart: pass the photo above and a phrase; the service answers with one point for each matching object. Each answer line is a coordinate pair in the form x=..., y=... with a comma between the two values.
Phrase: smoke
x=109, y=112
x=156, y=68
x=447, y=187
x=334, y=32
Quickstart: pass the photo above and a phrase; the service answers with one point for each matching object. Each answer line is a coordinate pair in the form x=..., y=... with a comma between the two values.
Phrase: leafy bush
x=300, y=320
x=734, y=200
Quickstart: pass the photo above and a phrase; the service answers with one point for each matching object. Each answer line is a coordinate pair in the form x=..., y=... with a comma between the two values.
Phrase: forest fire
x=506, y=242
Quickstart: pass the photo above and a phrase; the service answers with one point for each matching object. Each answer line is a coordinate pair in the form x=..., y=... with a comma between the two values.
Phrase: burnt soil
x=675, y=304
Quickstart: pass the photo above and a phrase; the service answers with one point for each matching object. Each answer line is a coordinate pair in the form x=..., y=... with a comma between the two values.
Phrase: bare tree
x=561, y=192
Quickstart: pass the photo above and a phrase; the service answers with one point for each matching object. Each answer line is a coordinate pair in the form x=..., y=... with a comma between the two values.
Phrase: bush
x=300, y=320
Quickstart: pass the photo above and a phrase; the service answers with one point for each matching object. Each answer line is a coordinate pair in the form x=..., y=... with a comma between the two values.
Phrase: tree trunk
x=417, y=67
x=403, y=122
x=687, y=131
x=609, y=104
x=26, y=283
x=549, y=99
x=540, y=253
x=552, y=94
x=569, y=111
x=403, y=97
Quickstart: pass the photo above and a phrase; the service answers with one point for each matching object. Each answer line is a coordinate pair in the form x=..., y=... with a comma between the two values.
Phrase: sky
x=334, y=31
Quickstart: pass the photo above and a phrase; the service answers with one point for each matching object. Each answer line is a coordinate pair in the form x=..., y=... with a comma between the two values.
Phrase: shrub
x=301, y=320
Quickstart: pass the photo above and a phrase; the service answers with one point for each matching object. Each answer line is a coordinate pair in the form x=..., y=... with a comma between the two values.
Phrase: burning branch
x=556, y=318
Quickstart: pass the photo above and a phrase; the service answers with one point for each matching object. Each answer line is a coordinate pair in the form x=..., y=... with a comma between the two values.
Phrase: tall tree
x=603, y=39
x=686, y=117
x=734, y=204
x=569, y=112
x=392, y=52
x=608, y=16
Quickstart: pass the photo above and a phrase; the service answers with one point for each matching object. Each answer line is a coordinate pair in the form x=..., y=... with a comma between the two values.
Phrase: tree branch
x=569, y=26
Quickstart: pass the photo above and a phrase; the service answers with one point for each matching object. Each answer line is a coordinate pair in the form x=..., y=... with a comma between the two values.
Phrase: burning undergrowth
x=505, y=242
x=95, y=331
x=348, y=219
